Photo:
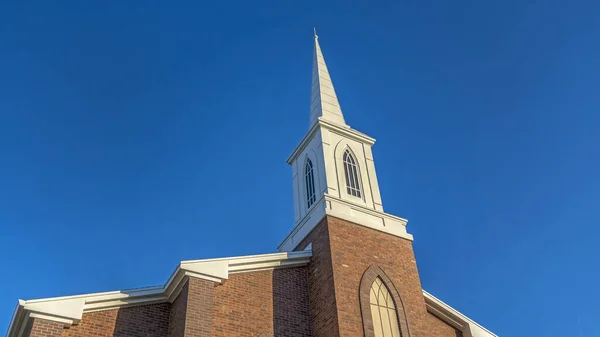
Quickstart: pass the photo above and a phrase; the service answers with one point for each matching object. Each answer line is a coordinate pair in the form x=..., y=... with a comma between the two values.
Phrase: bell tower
x=358, y=250
x=333, y=168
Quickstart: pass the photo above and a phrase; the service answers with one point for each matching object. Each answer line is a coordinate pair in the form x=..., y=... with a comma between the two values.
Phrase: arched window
x=383, y=311
x=381, y=306
x=310, y=183
x=351, y=172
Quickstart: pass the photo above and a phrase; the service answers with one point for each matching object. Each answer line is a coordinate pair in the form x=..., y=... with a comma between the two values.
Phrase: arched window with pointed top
x=309, y=180
x=383, y=311
x=351, y=172
x=381, y=306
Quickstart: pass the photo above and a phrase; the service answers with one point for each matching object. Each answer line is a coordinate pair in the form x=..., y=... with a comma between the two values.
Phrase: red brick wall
x=178, y=312
x=43, y=328
x=199, y=311
x=439, y=328
x=353, y=249
x=342, y=252
x=248, y=304
x=244, y=305
x=323, y=310
x=290, y=302
x=146, y=320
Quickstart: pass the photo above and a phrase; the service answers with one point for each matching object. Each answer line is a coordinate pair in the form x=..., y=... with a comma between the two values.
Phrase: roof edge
x=69, y=309
x=453, y=317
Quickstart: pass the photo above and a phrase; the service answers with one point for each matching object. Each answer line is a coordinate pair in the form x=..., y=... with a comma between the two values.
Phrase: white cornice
x=344, y=130
x=346, y=210
x=69, y=309
x=467, y=326
x=347, y=131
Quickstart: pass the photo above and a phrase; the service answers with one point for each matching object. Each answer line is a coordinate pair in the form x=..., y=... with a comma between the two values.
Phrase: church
x=346, y=268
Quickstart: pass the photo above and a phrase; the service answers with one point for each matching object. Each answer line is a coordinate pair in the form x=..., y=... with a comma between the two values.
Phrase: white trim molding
x=467, y=326
x=68, y=310
x=343, y=130
x=346, y=210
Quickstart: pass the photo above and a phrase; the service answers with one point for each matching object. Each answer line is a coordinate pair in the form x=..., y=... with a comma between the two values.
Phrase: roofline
x=69, y=309
x=454, y=317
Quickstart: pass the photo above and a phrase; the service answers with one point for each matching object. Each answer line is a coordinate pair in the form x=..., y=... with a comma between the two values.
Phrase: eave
x=453, y=317
x=69, y=309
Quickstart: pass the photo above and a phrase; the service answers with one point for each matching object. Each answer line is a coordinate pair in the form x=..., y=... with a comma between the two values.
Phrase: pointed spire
x=324, y=102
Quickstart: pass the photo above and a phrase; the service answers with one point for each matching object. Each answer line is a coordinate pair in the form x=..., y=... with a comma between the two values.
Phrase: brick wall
x=145, y=320
x=199, y=311
x=266, y=303
x=342, y=252
x=290, y=303
x=38, y=327
x=245, y=304
x=355, y=248
x=439, y=328
x=178, y=312
x=322, y=302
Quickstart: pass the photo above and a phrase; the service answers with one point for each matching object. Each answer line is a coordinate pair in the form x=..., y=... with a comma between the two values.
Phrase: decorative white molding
x=65, y=321
x=69, y=309
x=345, y=210
x=469, y=327
x=347, y=131
x=66, y=310
x=342, y=130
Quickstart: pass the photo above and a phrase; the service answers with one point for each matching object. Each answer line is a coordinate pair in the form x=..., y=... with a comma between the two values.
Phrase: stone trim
x=366, y=282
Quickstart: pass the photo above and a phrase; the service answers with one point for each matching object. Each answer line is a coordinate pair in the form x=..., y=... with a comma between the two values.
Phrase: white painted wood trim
x=346, y=210
x=469, y=327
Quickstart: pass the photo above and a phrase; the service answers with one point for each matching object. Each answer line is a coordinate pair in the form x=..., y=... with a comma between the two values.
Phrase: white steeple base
x=333, y=169
x=339, y=208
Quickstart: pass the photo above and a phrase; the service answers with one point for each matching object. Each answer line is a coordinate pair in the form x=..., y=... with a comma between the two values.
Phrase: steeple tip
x=324, y=101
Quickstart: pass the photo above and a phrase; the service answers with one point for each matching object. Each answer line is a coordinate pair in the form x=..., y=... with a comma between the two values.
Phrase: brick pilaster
x=199, y=309
x=178, y=313
x=191, y=312
x=44, y=328
x=321, y=289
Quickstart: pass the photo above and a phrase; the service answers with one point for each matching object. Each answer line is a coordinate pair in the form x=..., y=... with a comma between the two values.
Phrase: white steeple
x=333, y=168
x=324, y=101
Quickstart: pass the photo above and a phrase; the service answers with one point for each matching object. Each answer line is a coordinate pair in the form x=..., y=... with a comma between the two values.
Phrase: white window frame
x=309, y=183
x=352, y=175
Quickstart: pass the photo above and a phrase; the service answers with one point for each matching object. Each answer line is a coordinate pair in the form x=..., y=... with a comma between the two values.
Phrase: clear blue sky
x=135, y=134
